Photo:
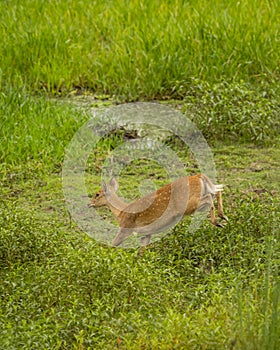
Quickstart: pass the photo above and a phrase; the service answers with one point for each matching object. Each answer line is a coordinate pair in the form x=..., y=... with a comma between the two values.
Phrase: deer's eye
x=97, y=195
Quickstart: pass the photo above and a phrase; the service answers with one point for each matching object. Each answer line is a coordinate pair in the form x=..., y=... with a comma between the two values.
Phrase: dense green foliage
x=217, y=288
x=61, y=290
x=35, y=131
x=131, y=48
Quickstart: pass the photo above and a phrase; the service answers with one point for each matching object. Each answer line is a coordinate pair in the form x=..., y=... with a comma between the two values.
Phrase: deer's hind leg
x=220, y=206
x=205, y=204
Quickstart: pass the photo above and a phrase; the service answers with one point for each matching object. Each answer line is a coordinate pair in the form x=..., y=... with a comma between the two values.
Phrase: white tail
x=162, y=208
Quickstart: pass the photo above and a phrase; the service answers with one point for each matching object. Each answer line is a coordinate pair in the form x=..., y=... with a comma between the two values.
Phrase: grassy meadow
x=215, y=61
x=127, y=49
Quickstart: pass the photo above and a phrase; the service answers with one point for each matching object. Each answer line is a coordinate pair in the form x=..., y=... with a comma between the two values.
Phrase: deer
x=162, y=208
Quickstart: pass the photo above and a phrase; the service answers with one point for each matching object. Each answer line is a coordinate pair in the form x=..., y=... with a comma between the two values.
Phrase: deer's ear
x=104, y=187
x=114, y=184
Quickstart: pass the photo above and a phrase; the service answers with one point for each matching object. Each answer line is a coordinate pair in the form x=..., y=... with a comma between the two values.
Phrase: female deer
x=161, y=209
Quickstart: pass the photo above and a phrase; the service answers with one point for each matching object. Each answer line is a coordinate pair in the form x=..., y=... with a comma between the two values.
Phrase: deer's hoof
x=224, y=217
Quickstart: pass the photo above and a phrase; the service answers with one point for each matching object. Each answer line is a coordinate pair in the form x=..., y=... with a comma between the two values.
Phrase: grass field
x=218, y=63
x=133, y=49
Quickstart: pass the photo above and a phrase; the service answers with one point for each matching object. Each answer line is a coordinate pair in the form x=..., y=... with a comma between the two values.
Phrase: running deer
x=160, y=209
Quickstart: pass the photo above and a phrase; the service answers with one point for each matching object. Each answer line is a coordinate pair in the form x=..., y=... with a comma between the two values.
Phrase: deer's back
x=179, y=198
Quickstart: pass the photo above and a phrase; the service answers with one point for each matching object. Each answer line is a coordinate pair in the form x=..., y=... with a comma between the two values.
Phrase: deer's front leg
x=145, y=240
x=121, y=236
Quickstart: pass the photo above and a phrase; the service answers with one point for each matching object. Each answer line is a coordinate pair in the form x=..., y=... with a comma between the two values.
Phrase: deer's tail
x=219, y=188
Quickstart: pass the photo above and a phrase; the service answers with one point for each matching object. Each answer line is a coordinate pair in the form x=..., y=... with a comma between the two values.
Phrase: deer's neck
x=116, y=205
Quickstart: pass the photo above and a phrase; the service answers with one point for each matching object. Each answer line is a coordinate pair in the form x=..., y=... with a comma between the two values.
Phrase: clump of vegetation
x=234, y=111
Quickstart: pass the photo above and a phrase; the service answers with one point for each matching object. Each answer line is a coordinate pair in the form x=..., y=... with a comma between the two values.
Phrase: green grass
x=34, y=131
x=216, y=288
x=128, y=49
x=217, y=62
x=62, y=290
